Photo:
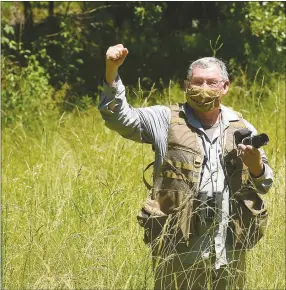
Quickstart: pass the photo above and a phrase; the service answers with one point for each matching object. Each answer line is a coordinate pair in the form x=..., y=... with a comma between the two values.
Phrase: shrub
x=25, y=91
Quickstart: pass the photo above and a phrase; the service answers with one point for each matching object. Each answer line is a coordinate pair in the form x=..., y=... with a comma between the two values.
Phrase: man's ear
x=225, y=87
x=186, y=84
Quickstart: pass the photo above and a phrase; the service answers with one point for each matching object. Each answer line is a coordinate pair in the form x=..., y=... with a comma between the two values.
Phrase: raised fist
x=116, y=55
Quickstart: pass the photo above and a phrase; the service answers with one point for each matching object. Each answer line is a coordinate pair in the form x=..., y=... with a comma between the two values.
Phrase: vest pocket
x=248, y=222
x=162, y=233
x=167, y=233
x=153, y=225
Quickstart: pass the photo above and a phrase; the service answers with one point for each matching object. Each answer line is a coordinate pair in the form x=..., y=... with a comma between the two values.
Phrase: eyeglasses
x=209, y=83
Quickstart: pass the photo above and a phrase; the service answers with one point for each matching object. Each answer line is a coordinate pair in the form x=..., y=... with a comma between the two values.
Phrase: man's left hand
x=251, y=157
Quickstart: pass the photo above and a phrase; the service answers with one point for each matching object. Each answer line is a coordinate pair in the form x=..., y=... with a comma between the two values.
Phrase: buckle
x=198, y=161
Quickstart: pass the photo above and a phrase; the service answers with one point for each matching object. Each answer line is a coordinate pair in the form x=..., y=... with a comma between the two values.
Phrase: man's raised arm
x=115, y=57
x=148, y=125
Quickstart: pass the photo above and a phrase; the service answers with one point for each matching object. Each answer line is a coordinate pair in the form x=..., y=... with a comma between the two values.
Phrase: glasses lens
x=209, y=83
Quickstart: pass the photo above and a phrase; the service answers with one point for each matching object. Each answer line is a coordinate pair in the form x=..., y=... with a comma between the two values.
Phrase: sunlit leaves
x=267, y=21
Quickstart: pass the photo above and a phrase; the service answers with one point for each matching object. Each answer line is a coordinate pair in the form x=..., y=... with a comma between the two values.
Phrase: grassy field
x=71, y=189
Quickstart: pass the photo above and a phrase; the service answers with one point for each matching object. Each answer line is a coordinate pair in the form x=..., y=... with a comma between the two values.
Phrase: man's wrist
x=257, y=173
x=111, y=84
x=111, y=75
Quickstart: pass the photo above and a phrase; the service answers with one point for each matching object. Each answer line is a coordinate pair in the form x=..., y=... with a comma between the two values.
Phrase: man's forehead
x=211, y=71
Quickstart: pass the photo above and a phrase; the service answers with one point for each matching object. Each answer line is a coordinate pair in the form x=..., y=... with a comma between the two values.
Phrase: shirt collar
x=227, y=114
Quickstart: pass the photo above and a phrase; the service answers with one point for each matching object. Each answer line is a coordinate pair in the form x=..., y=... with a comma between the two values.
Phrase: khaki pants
x=173, y=274
x=183, y=268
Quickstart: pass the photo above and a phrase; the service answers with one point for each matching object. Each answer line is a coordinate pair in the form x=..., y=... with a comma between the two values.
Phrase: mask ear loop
x=186, y=84
x=217, y=99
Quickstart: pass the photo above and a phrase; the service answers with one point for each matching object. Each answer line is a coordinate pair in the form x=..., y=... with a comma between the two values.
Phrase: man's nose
x=204, y=85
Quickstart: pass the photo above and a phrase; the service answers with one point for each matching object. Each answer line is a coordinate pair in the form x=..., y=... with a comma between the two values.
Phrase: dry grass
x=71, y=191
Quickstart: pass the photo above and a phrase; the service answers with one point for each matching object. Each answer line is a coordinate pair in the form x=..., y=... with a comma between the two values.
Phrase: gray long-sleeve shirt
x=150, y=125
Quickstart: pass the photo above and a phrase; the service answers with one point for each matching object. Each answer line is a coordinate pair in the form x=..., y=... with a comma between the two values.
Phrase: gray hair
x=206, y=62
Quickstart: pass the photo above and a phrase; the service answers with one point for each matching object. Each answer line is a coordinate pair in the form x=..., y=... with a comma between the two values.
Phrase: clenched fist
x=115, y=56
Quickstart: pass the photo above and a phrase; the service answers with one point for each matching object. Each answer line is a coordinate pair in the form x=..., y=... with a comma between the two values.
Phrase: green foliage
x=267, y=21
x=9, y=31
x=148, y=14
x=64, y=49
x=162, y=38
x=26, y=93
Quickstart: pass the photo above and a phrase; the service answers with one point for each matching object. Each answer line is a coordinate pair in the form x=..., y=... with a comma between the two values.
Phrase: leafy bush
x=162, y=38
x=25, y=91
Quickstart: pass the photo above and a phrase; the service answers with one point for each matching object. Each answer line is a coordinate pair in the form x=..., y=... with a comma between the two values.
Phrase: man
x=203, y=210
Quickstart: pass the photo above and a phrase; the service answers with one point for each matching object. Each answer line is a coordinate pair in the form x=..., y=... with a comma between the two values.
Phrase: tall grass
x=72, y=188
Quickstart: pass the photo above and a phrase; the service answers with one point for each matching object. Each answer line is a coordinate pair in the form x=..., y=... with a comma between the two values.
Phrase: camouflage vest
x=174, y=195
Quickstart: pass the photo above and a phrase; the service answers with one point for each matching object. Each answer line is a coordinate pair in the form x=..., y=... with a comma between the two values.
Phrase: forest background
x=71, y=188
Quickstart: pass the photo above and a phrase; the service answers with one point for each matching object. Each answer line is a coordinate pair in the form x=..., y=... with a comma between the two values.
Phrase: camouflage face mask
x=202, y=99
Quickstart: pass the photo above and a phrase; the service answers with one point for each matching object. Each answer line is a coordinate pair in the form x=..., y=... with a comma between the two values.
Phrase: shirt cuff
x=111, y=90
x=109, y=93
x=263, y=182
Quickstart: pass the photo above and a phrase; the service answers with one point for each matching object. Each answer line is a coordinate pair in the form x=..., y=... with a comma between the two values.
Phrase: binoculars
x=243, y=136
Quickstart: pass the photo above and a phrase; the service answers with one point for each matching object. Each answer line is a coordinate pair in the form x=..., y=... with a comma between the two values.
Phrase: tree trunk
x=51, y=8
x=28, y=13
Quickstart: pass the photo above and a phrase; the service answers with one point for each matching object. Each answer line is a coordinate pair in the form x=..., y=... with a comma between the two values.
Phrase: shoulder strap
x=144, y=179
x=175, y=112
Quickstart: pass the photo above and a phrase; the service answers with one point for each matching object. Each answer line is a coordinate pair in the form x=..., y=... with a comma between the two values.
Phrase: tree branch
x=79, y=15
